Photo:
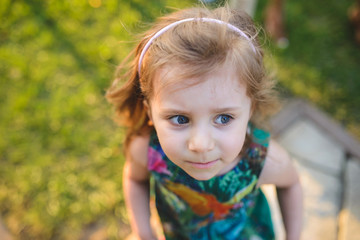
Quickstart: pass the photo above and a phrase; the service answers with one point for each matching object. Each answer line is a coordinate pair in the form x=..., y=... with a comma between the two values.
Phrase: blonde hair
x=199, y=48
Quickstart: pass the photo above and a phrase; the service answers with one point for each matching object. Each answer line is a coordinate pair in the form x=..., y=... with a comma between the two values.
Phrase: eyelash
x=173, y=119
x=229, y=117
x=185, y=120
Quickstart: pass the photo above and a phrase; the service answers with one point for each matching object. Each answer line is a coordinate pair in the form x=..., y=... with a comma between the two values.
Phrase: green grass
x=60, y=152
x=322, y=62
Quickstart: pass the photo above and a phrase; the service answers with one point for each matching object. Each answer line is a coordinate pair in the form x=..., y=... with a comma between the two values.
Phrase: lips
x=201, y=165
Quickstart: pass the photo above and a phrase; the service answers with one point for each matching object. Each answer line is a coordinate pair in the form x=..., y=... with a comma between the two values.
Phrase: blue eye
x=223, y=119
x=179, y=119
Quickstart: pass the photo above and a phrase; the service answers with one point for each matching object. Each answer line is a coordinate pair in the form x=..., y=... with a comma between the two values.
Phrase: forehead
x=171, y=80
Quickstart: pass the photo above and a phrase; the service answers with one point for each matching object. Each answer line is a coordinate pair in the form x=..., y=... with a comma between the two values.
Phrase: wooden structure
x=328, y=160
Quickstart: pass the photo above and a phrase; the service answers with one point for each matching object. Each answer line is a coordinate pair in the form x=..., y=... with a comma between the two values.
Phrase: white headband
x=163, y=30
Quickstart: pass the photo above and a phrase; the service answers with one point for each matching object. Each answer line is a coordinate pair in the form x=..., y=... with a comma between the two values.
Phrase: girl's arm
x=136, y=188
x=279, y=170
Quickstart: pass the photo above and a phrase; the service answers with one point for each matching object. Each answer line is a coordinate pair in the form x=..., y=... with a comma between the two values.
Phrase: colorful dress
x=225, y=207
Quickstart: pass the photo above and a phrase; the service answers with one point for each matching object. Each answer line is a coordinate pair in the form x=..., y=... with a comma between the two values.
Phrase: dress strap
x=259, y=136
x=156, y=156
x=257, y=150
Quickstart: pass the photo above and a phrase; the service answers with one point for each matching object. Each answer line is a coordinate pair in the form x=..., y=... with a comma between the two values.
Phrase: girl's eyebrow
x=167, y=111
x=215, y=110
x=227, y=109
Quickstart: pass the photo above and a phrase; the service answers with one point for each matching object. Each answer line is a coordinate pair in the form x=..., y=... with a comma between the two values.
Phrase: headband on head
x=163, y=30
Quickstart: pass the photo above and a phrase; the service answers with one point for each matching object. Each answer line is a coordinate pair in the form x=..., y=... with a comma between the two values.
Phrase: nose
x=201, y=140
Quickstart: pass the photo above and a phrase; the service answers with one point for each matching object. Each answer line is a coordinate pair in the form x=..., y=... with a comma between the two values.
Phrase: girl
x=193, y=102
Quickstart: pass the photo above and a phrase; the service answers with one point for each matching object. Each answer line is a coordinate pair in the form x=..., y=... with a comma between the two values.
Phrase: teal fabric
x=225, y=207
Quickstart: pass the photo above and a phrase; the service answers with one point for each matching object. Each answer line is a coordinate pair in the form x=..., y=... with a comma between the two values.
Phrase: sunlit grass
x=322, y=61
x=61, y=156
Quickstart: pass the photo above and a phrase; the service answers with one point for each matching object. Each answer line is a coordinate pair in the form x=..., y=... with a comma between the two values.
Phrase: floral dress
x=225, y=207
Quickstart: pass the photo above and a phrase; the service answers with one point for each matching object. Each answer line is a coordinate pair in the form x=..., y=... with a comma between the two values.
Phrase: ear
x=147, y=108
x=252, y=108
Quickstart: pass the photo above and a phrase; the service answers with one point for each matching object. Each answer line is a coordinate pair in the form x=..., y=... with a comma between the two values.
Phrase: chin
x=202, y=176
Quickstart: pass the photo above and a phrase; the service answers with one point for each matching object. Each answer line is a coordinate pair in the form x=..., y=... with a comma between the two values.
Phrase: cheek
x=232, y=142
x=172, y=142
x=236, y=144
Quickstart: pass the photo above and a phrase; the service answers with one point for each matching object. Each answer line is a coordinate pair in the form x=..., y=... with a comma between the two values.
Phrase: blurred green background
x=60, y=152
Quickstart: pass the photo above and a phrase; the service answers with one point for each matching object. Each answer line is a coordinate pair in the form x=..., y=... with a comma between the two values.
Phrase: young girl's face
x=201, y=127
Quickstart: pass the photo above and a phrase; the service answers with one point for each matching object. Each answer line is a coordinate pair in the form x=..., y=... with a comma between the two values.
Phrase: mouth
x=201, y=165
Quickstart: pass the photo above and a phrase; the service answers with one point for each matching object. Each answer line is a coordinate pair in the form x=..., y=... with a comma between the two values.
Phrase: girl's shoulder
x=138, y=150
x=279, y=168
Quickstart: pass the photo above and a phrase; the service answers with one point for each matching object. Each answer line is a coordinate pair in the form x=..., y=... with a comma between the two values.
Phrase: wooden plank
x=309, y=144
x=296, y=109
x=321, y=204
x=349, y=219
